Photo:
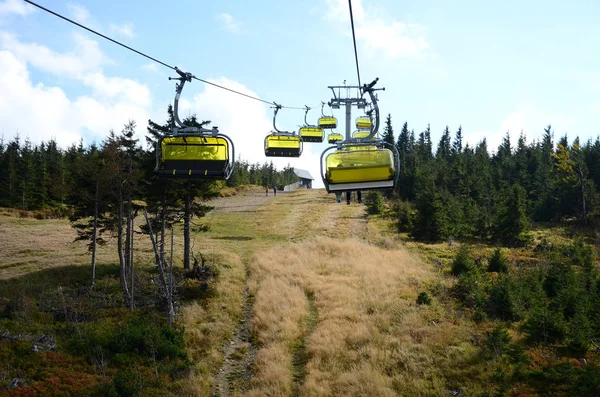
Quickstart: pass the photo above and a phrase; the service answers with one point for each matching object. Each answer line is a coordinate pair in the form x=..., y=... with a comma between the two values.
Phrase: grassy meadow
x=312, y=298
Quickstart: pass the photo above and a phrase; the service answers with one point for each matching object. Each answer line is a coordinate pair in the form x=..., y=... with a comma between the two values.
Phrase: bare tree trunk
x=122, y=275
x=160, y=262
x=95, y=233
x=170, y=295
x=162, y=230
x=127, y=249
x=582, y=184
x=131, y=303
x=186, y=227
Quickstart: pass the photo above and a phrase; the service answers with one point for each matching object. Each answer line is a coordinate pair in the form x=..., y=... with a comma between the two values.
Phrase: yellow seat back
x=311, y=134
x=194, y=148
x=360, y=134
x=283, y=142
x=364, y=165
x=334, y=138
x=328, y=122
x=363, y=123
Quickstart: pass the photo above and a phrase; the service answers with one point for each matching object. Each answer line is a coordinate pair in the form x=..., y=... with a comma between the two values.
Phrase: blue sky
x=491, y=67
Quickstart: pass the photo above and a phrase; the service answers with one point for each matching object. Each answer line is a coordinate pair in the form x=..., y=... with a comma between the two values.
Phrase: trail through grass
x=313, y=299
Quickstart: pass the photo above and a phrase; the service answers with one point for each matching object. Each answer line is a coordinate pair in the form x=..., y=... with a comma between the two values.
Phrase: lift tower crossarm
x=359, y=101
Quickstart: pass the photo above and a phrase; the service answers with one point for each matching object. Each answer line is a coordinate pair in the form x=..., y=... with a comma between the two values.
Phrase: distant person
x=274, y=191
x=338, y=197
x=266, y=191
x=358, y=196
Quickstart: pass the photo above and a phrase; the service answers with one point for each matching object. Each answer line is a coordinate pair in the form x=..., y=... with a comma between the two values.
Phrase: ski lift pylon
x=363, y=162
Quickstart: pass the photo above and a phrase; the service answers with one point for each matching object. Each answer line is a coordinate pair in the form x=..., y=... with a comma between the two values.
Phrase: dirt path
x=290, y=217
x=242, y=202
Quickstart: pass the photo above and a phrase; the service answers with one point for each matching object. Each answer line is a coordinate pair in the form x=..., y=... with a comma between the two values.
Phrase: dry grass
x=371, y=337
x=209, y=326
x=334, y=296
x=28, y=244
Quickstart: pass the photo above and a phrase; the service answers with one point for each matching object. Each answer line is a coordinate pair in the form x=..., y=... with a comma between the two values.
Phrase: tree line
x=43, y=175
x=464, y=191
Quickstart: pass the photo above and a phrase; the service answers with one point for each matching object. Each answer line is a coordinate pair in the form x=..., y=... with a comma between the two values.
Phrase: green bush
x=502, y=300
x=424, y=299
x=146, y=338
x=587, y=383
x=140, y=336
x=545, y=325
x=470, y=290
x=559, y=276
x=579, y=333
x=374, y=202
x=498, y=341
x=462, y=262
x=498, y=262
x=405, y=213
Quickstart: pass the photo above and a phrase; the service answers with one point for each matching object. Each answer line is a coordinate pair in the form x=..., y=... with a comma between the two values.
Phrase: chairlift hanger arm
x=183, y=77
x=277, y=107
x=306, y=114
x=368, y=88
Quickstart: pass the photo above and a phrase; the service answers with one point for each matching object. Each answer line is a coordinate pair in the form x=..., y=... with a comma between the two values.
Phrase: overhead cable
x=149, y=57
x=354, y=40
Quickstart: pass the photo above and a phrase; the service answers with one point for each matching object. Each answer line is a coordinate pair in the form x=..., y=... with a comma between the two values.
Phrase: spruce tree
x=513, y=223
x=388, y=131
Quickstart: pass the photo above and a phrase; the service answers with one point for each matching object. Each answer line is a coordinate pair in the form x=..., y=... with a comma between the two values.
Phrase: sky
x=491, y=67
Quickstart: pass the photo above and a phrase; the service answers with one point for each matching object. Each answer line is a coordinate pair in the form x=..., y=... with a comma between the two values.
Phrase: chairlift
x=193, y=152
x=310, y=133
x=363, y=123
x=282, y=143
x=359, y=164
x=334, y=137
x=327, y=122
x=361, y=134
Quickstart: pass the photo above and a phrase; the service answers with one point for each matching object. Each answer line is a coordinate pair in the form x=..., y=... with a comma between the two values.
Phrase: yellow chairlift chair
x=282, y=143
x=193, y=152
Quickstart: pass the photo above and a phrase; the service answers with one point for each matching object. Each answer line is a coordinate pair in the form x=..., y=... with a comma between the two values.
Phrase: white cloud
x=41, y=112
x=83, y=64
x=393, y=38
x=18, y=7
x=79, y=13
x=125, y=30
x=229, y=23
x=85, y=58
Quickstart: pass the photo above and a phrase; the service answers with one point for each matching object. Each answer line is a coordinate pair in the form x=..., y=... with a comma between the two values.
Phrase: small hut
x=305, y=178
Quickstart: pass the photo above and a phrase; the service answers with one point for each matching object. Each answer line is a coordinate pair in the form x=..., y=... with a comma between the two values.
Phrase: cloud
x=17, y=7
x=393, y=38
x=245, y=121
x=229, y=23
x=42, y=112
x=125, y=30
x=85, y=58
x=79, y=13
